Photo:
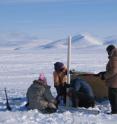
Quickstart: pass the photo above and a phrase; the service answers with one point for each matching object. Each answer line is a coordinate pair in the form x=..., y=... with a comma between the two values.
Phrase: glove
x=54, y=101
x=72, y=71
x=51, y=105
x=101, y=75
x=67, y=85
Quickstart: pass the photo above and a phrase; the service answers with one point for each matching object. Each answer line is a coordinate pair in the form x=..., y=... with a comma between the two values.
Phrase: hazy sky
x=54, y=19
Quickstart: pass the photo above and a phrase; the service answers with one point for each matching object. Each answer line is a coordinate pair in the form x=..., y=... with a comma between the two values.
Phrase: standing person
x=39, y=96
x=110, y=76
x=60, y=79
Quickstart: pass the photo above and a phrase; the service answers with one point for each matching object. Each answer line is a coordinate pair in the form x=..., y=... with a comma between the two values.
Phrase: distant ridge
x=22, y=42
x=80, y=40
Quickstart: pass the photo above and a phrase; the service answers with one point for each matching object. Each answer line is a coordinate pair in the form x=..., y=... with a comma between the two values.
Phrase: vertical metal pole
x=68, y=59
x=68, y=100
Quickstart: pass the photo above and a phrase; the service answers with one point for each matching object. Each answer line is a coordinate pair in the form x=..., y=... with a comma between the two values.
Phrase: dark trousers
x=61, y=91
x=80, y=99
x=112, y=94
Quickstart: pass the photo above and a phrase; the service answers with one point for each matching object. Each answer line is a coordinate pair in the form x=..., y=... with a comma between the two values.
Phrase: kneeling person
x=81, y=94
x=39, y=96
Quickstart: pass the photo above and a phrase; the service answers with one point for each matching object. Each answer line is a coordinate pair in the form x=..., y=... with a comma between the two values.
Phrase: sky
x=56, y=19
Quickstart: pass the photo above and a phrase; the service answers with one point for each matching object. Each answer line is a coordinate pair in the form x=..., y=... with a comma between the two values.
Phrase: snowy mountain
x=78, y=41
x=36, y=44
x=85, y=40
x=25, y=42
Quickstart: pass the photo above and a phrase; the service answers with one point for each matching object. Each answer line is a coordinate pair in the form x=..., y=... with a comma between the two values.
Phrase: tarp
x=98, y=86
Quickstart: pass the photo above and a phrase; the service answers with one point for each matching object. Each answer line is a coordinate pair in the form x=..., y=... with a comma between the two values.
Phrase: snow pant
x=80, y=99
x=112, y=94
x=61, y=91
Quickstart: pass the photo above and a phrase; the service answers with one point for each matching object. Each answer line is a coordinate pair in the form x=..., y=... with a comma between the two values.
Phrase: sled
x=98, y=86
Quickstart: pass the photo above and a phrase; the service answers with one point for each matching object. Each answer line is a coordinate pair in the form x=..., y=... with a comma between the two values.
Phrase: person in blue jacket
x=81, y=93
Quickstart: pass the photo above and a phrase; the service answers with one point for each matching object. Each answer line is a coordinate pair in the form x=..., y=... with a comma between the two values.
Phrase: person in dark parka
x=39, y=96
x=82, y=94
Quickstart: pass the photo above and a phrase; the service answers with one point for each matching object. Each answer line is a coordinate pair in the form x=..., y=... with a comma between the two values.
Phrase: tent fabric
x=98, y=86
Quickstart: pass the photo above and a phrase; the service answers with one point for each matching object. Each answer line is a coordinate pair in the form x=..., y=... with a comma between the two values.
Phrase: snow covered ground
x=19, y=67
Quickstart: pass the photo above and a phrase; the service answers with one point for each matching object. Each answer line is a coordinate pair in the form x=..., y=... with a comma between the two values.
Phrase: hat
x=42, y=78
x=58, y=66
x=110, y=48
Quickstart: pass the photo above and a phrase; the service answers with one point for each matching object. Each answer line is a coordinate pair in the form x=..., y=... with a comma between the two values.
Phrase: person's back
x=39, y=97
x=81, y=85
x=82, y=94
x=34, y=95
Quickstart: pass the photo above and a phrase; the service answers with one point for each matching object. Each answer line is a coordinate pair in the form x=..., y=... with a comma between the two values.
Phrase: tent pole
x=68, y=101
